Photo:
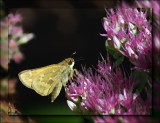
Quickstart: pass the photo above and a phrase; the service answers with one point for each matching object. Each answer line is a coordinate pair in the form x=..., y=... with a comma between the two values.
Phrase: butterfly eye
x=70, y=62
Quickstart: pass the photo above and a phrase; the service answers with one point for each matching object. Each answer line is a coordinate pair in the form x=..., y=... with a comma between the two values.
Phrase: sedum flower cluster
x=12, y=36
x=107, y=92
x=130, y=32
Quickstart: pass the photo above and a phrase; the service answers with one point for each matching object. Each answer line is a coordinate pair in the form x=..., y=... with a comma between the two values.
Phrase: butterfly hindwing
x=56, y=91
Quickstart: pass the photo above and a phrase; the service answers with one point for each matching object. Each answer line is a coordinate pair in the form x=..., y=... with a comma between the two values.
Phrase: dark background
x=60, y=28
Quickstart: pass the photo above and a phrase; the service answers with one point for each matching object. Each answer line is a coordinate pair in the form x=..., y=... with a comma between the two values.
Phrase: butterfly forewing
x=26, y=76
x=45, y=81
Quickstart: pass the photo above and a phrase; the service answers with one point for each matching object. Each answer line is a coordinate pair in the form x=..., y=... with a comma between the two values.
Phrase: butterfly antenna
x=73, y=54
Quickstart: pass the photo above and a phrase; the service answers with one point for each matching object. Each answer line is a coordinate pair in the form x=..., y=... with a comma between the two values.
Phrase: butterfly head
x=70, y=62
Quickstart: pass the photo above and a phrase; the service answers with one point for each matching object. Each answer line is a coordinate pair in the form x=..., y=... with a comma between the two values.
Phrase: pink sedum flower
x=155, y=4
x=12, y=36
x=129, y=32
x=17, y=57
x=71, y=105
x=107, y=92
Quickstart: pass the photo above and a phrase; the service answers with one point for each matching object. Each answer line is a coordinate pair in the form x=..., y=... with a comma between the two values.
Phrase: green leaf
x=142, y=78
x=123, y=108
x=112, y=51
x=106, y=44
x=117, y=54
x=149, y=14
x=119, y=61
x=109, y=46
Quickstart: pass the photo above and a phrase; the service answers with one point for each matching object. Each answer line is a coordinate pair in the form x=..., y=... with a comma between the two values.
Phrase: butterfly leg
x=71, y=75
x=72, y=72
x=75, y=70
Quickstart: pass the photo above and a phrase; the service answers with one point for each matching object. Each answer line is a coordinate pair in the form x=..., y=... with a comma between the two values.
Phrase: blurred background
x=60, y=28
